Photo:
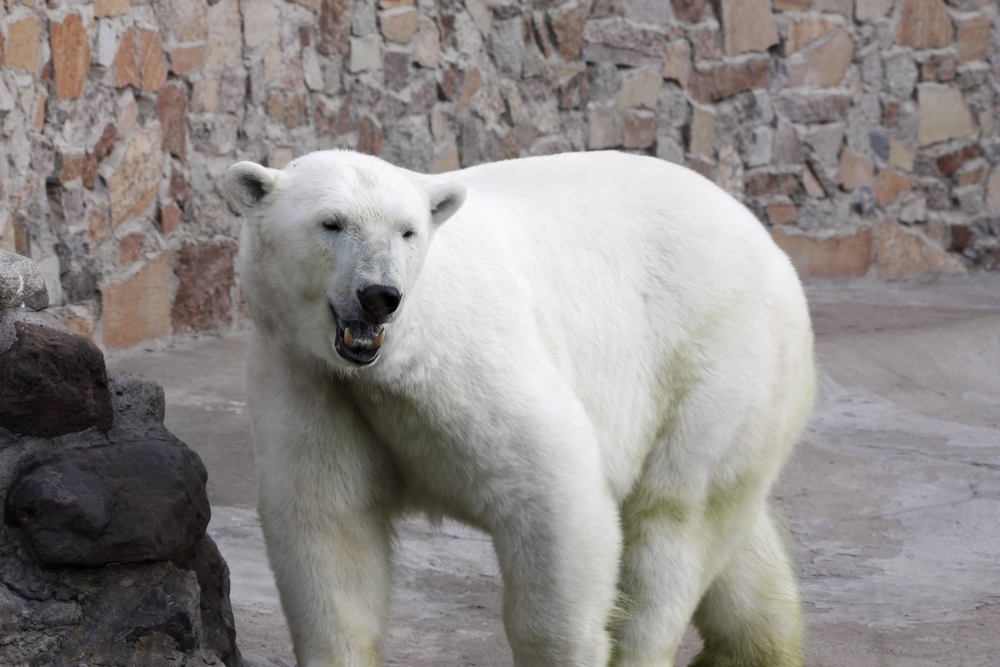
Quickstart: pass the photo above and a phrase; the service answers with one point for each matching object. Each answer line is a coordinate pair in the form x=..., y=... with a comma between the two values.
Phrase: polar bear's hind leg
x=751, y=616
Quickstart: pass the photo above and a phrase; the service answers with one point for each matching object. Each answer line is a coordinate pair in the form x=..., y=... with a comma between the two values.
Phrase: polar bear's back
x=635, y=274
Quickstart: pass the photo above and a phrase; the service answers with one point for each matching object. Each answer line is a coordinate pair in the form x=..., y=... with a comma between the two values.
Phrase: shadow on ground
x=892, y=498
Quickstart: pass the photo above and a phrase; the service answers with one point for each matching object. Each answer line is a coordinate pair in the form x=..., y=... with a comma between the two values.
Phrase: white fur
x=601, y=360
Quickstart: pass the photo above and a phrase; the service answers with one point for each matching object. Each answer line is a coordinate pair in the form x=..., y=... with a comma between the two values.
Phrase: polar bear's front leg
x=323, y=499
x=558, y=541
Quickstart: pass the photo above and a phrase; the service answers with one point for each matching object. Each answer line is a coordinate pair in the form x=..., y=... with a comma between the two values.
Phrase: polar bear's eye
x=333, y=224
x=409, y=233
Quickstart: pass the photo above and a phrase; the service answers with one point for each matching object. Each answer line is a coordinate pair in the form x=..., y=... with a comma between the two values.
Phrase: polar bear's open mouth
x=358, y=341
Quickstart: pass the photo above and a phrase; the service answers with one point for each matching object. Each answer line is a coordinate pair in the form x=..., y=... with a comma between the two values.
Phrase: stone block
x=181, y=20
x=154, y=73
x=943, y=114
x=900, y=155
x=70, y=56
x=702, y=134
x=924, y=24
x=104, y=8
x=567, y=23
x=677, y=64
x=747, y=26
x=103, y=148
x=127, y=61
x=837, y=257
x=904, y=253
x=641, y=89
x=369, y=137
x=993, y=191
x=717, y=82
x=187, y=59
x=135, y=180
x=205, y=96
x=138, y=308
x=130, y=249
x=623, y=43
x=366, y=53
x=506, y=46
x=335, y=28
x=973, y=35
x=828, y=63
x=871, y=10
x=224, y=41
x=951, y=162
x=134, y=502
x=399, y=25
x=471, y=84
x=690, y=11
x=938, y=67
x=782, y=213
x=605, y=127
x=855, y=171
x=971, y=173
x=706, y=43
x=169, y=219
x=23, y=45
x=427, y=44
x=396, y=68
x=638, y=129
x=766, y=183
x=889, y=186
x=204, y=285
x=813, y=107
x=54, y=381
x=805, y=30
x=171, y=106
x=21, y=283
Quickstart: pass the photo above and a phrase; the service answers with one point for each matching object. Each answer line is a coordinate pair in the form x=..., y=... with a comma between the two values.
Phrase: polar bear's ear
x=445, y=200
x=248, y=183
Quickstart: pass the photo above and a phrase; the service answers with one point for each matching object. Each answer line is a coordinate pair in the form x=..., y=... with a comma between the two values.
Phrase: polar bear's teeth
x=378, y=339
x=348, y=339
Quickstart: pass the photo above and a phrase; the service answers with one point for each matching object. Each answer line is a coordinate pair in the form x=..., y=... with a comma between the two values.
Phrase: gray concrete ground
x=892, y=498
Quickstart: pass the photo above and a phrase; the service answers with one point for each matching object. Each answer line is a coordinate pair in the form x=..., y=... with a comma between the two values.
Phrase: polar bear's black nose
x=379, y=300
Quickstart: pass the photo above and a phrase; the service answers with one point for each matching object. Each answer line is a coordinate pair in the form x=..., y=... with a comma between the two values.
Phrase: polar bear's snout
x=379, y=301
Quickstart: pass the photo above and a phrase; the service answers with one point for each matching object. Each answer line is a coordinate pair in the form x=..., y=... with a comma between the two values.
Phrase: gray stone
x=133, y=502
x=669, y=149
x=21, y=283
x=900, y=75
x=623, y=42
x=408, y=143
x=506, y=44
x=673, y=109
x=871, y=69
x=825, y=141
x=604, y=81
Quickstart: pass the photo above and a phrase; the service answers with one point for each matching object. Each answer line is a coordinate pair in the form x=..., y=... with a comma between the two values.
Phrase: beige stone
x=205, y=96
x=447, y=161
x=605, y=125
x=104, y=8
x=900, y=156
x=154, y=73
x=427, y=44
x=470, y=86
x=366, y=54
x=855, y=171
x=806, y=30
x=973, y=35
x=702, y=131
x=924, y=24
x=482, y=15
x=837, y=257
x=182, y=20
x=971, y=173
x=782, y=213
x=126, y=61
x=943, y=114
x=23, y=45
x=747, y=26
x=133, y=185
x=812, y=185
x=128, y=113
x=261, y=23
x=640, y=90
x=70, y=55
x=871, y=10
x=993, y=191
x=567, y=25
x=138, y=308
x=906, y=254
x=717, y=82
x=85, y=326
x=889, y=186
x=224, y=42
x=399, y=25
x=185, y=59
x=829, y=62
x=638, y=129
x=677, y=64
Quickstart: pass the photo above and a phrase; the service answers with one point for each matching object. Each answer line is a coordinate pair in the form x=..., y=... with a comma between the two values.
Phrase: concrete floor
x=892, y=498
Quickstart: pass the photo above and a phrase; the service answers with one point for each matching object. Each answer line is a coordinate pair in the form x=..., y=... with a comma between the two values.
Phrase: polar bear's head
x=331, y=246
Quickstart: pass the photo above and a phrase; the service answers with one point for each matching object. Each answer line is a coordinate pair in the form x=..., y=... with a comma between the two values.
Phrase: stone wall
x=864, y=133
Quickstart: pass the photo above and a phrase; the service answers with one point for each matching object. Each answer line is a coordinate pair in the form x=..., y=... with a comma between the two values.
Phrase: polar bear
x=599, y=359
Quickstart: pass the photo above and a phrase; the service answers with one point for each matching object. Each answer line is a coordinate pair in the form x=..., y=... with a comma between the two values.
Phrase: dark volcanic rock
x=170, y=609
x=54, y=382
x=122, y=503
